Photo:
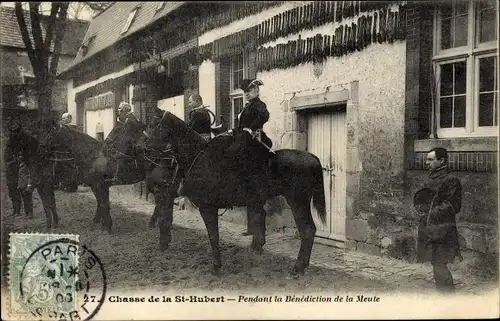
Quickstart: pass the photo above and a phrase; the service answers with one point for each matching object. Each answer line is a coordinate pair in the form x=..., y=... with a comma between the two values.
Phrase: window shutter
x=252, y=66
x=222, y=87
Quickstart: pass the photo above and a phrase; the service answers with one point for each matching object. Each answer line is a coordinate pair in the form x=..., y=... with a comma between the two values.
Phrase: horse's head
x=54, y=138
x=125, y=136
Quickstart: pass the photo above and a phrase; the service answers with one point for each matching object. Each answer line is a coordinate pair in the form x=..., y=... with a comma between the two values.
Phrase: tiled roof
x=107, y=27
x=10, y=34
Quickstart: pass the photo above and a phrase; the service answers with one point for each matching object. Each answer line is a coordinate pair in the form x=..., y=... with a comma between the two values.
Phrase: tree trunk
x=44, y=99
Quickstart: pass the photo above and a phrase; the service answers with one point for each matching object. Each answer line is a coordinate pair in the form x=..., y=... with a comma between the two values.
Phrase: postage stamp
x=53, y=276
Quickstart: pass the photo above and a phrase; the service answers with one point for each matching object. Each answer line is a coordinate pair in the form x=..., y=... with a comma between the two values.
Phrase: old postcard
x=249, y=160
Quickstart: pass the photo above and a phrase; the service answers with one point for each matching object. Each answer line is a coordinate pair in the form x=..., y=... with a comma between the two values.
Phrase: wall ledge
x=458, y=144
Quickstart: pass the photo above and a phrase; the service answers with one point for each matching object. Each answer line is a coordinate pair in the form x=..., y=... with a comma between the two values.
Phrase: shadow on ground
x=133, y=261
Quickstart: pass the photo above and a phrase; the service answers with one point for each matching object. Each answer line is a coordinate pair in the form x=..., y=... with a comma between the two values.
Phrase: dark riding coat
x=199, y=120
x=440, y=234
x=254, y=115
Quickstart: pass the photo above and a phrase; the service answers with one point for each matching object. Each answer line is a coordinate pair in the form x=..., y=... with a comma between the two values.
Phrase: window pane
x=460, y=77
x=487, y=25
x=445, y=112
x=486, y=21
x=486, y=114
x=460, y=35
x=446, y=79
x=237, y=108
x=446, y=34
x=487, y=74
x=459, y=112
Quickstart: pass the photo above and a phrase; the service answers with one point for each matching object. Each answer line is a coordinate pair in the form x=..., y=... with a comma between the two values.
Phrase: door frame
x=296, y=130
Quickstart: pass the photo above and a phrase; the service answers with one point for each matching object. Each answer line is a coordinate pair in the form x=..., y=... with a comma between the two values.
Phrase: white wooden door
x=99, y=119
x=326, y=138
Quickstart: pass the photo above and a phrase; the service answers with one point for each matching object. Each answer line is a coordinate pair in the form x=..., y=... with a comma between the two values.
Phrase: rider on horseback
x=251, y=145
x=125, y=117
x=199, y=116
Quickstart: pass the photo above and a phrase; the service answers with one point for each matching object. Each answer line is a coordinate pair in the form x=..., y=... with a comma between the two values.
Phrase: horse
x=116, y=161
x=42, y=171
x=210, y=184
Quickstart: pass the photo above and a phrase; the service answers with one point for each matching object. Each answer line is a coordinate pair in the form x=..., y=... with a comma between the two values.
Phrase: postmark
x=53, y=276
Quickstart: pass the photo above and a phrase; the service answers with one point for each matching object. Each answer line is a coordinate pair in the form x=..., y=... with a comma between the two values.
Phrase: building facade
x=368, y=87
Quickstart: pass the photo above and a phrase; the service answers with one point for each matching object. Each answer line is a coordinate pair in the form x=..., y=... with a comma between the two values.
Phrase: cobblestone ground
x=133, y=261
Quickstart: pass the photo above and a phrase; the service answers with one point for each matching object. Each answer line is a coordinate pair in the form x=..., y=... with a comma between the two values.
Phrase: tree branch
x=25, y=34
x=36, y=30
x=60, y=28
x=49, y=33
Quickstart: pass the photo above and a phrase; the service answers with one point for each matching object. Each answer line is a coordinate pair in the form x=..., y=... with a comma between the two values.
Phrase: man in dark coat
x=12, y=160
x=437, y=228
x=249, y=147
x=25, y=186
x=199, y=116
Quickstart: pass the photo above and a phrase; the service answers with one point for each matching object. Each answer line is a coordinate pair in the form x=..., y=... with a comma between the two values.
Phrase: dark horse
x=102, y=165
x=42, y=169
x=211, y=183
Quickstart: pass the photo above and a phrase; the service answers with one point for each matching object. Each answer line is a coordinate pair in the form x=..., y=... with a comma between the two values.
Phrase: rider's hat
x=247, y=84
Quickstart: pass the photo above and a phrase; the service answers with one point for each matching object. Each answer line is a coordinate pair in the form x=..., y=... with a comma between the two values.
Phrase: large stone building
x=368, y=87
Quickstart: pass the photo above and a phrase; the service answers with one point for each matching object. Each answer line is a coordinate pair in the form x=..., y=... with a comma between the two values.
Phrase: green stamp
x=43, y=275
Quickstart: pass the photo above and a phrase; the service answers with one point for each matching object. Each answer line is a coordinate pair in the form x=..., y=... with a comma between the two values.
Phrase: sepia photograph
x=249, y=160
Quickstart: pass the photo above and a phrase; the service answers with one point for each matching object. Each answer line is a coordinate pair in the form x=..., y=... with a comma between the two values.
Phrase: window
x=238, y=71
x=466, y=65
x=130, y=18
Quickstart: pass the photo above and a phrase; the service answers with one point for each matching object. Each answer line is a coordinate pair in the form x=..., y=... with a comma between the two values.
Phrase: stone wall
x=392, y=230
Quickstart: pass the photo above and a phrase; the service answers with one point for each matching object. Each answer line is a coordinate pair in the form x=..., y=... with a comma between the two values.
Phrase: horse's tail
x=318, y=196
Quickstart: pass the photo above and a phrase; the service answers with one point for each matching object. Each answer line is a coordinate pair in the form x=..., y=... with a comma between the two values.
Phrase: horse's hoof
x=215, y=271
x=163, y=247
x=257, y=250
x=294, y=275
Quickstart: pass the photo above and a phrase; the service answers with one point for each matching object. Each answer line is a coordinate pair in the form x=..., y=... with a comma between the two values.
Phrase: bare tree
x=43, y=61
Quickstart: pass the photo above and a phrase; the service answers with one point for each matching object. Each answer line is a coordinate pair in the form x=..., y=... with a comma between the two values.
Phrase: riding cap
x=424, y=197
x=124, y=107
x=247, y=84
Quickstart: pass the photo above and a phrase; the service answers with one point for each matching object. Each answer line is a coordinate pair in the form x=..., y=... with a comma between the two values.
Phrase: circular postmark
x=64, y=280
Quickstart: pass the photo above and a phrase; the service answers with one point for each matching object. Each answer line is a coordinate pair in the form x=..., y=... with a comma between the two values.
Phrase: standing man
x=437, y=228
x=12, y=169
x=199, y=116
x=25, y=186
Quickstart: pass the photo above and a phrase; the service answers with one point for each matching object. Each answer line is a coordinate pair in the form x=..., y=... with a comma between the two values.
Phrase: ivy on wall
x=102, y=101
x=236, y=11
x=314, y=15
x=383, y=26
x=379, y=24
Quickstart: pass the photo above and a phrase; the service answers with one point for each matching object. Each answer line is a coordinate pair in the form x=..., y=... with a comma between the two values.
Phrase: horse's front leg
x=107, y=222
x=164, y=209
x=45, y=203
x=257, y=215
x=52, y=203
x=211, y=219
x=101, y=192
